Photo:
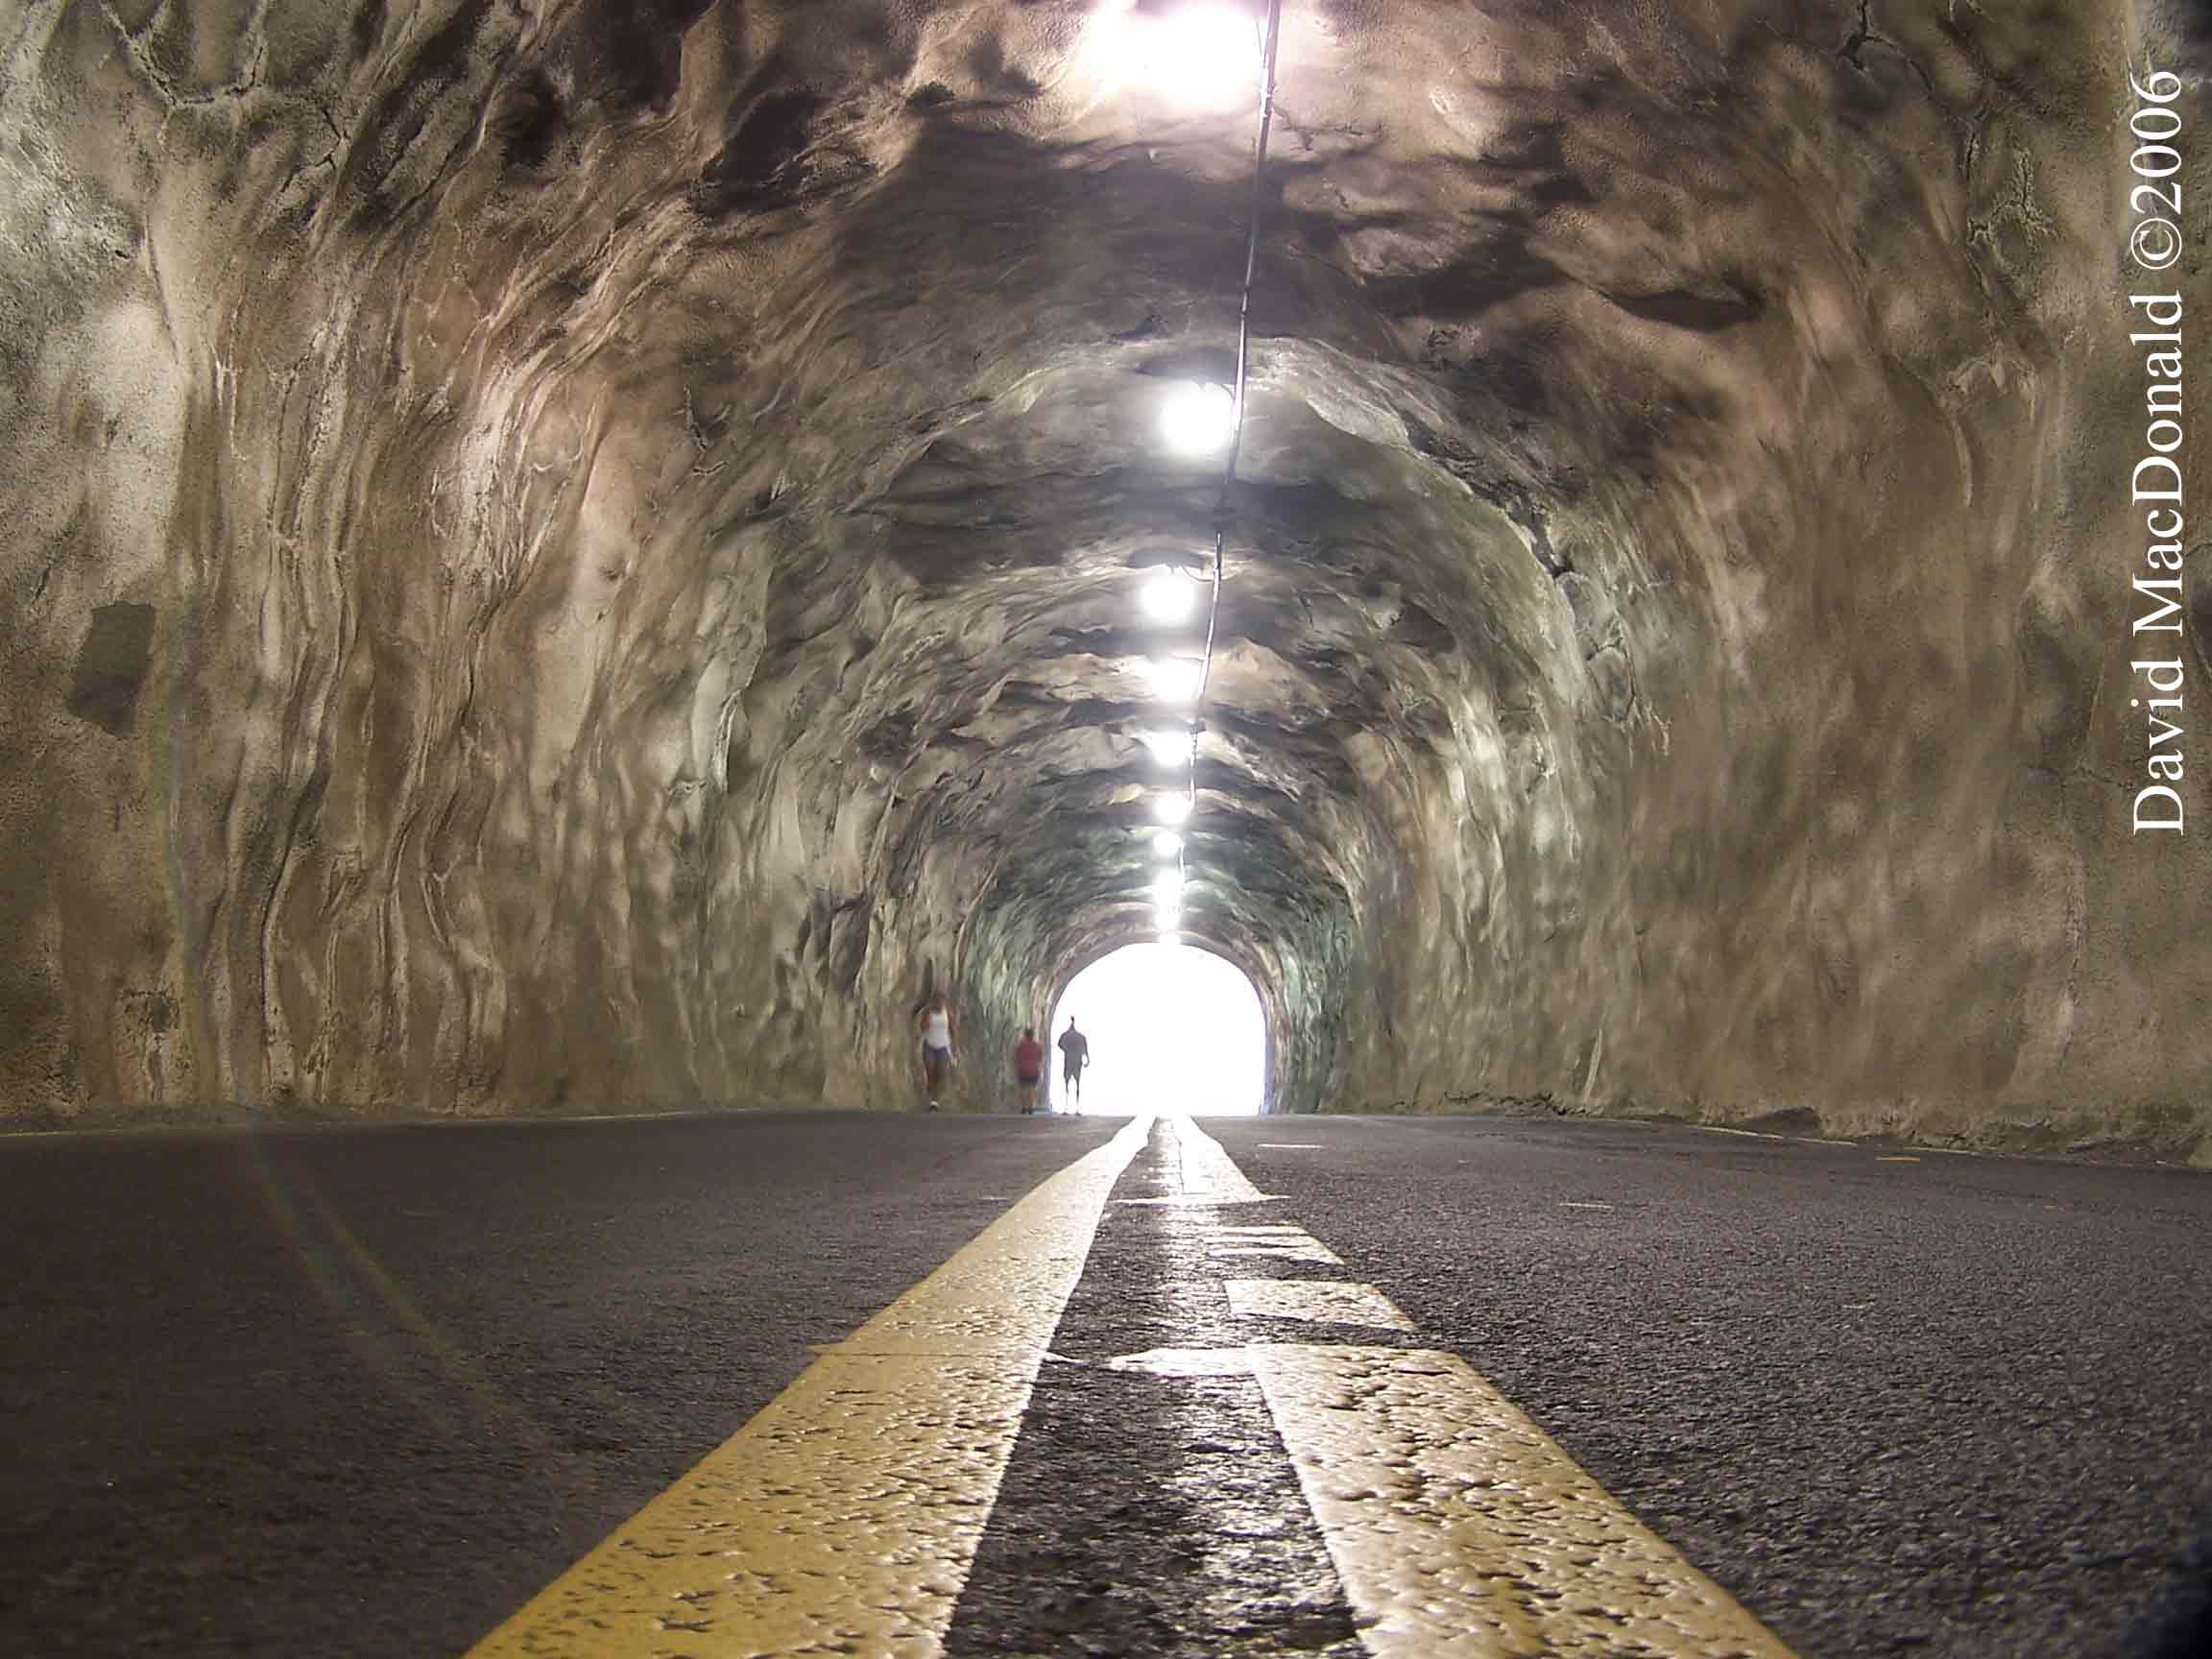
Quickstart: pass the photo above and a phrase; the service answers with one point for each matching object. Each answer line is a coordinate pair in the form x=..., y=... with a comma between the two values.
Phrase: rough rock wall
x=579, y=559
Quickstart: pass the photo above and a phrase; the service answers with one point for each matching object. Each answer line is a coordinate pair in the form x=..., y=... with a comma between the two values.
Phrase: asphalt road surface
x=366, y=1391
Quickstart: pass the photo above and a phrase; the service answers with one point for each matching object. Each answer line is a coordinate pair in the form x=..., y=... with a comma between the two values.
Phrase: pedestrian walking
x=937, y=1035
x=1075, y=1058
x=1029, y=1067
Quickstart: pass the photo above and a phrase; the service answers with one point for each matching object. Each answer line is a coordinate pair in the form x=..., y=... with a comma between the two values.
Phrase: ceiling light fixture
x=1168, y=596
x=1172, y=748
x=1175, y=678
x=1201, y=57
x=1171, y=809
x=1167, y=844
x=1197, y=417
x=1170, y=938
x=1204, y=57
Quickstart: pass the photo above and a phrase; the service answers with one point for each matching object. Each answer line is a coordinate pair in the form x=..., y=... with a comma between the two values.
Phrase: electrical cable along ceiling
x=1199, y=418
x=579, y=557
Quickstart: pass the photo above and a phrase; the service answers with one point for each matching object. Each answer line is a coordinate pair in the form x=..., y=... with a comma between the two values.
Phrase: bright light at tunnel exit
x=1172, y=1028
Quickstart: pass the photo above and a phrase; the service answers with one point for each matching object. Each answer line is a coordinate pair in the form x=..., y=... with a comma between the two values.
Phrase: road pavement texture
x=346, y=1392
x=1955, y=1406
x=367, y=1391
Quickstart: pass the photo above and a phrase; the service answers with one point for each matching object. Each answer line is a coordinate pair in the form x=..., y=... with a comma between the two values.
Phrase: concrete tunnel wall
x=577, y=559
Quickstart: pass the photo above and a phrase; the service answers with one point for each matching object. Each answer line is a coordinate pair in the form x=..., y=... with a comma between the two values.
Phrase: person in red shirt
x=1029, y=1066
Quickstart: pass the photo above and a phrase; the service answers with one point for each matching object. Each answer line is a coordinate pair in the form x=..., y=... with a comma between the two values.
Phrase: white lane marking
x=1762, y=1135
x=1460, y=1530
x=1573, y=1204
x=1204, y=1172
x=1314, y=1254
x=1322, y=1301
x=1291, y=1146
x=1199, y=1200
x=1186, y=1362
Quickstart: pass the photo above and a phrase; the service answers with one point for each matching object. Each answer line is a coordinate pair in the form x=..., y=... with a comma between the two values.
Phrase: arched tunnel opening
x=640, y=572
x=1598, y=600
x=1166, y=1027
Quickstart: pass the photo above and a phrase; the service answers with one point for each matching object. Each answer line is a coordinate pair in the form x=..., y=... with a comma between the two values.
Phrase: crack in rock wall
x=583, y=558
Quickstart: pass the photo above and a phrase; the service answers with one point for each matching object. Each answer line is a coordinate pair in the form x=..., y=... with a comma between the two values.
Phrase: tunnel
x=584, y=560
x=1165, y=1026
x=615, y=611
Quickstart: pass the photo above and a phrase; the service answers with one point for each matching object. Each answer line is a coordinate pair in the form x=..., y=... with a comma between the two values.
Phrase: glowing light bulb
x=1168, y=888
x=1167, y=844
x=1196, y=417
x=1167, y=596
x=1171, y=809
x=1170, y=938
x=1204, y=57
x=1201, y=57
x=1175, y=678
x=1172, y=748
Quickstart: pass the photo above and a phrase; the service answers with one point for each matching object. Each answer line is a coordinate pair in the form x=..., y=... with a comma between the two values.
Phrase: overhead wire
x=1271, y=29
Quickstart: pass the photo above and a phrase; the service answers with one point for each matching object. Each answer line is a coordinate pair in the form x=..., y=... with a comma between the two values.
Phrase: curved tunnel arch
x=631, y=518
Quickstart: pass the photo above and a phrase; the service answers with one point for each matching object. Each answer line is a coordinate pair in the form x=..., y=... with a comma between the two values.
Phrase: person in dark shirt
x=1074, y=1056
x=1029, y=1066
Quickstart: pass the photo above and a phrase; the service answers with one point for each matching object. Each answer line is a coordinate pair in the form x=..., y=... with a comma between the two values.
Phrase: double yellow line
x=845, y=1517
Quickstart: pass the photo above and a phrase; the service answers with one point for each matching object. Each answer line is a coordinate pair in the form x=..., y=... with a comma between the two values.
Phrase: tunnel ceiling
x=586, y=553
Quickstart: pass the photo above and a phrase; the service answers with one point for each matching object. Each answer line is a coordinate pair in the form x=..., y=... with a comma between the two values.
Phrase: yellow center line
x=845, y=1516
x=1460, y=1530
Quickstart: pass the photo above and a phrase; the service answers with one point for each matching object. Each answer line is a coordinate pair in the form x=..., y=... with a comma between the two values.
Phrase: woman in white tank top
x=936, y=1046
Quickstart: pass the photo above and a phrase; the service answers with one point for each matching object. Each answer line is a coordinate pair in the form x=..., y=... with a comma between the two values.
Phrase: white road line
x=1206, y=1173
x=1185, y=1363
x=1320, y=1301
x=1314, y=1253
